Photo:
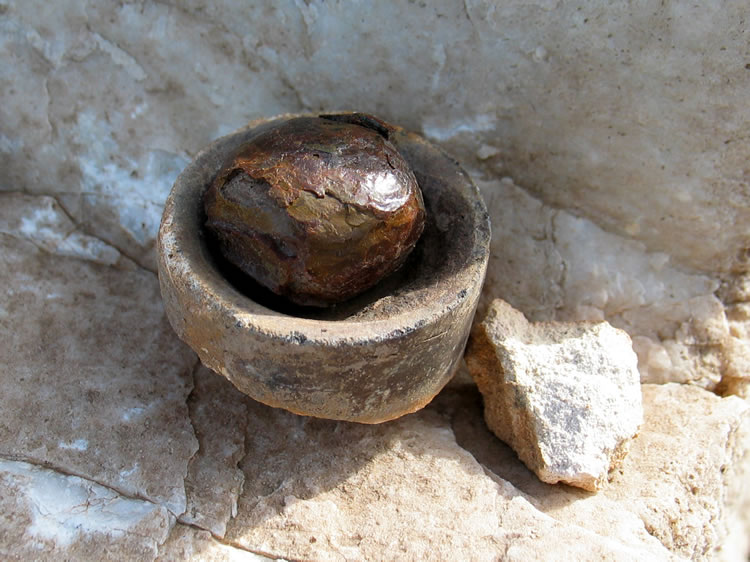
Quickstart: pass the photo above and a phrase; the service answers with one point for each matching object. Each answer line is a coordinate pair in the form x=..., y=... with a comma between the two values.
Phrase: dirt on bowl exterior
x=380, y=355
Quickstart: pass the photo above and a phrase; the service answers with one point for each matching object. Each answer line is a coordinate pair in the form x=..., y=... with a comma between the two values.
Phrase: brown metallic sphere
x=317, y=209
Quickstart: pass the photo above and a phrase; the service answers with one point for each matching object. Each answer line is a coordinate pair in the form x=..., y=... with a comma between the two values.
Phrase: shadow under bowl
x=381, y=355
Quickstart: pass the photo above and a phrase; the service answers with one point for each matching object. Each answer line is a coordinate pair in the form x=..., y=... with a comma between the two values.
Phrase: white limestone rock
x=596, y=108
x=404, y=490
x=565, y=396
x=625, y=131
x=618, y=147
x=323, y=490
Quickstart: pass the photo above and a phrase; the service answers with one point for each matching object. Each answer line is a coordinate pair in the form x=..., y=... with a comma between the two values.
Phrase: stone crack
x=77, y=227
x=188, y=401
x=70, y=473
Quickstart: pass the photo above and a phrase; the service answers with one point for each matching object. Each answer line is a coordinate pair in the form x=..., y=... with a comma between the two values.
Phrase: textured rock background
x=625, y=130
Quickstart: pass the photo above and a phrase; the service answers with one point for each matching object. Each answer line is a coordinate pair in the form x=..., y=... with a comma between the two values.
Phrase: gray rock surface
x=574, y=101
x=625, y=132
x=95, y=382
x=566, y=396
x=190, y=543
x=623, y=129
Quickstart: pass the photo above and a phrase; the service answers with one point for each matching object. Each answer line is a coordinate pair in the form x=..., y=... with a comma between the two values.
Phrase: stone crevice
x=52, y=127
x=227, y=543
x=233, y=544
x=188, y=400
x=155, y=542
x=308, y=49
x=213, y=480
x=76, y=227
x=203, y=18
x=287, y=82
x=113, y=49
x=560, y=281
x=193, y=369
x=247, y=448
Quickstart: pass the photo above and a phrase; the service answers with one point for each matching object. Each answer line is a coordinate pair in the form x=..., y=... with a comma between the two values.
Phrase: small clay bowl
x=385, y=353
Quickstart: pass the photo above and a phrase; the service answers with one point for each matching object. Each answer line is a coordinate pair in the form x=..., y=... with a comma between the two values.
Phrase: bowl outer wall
x=369, y=369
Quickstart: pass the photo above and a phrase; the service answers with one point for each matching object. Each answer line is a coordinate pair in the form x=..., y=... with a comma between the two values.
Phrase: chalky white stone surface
x=625, y=132
x=566, y=396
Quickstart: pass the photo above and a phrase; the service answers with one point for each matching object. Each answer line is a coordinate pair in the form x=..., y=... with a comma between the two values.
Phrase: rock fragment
x=565, y=396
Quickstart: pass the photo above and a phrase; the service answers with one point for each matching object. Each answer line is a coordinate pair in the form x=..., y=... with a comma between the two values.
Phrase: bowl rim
x=182, y=260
